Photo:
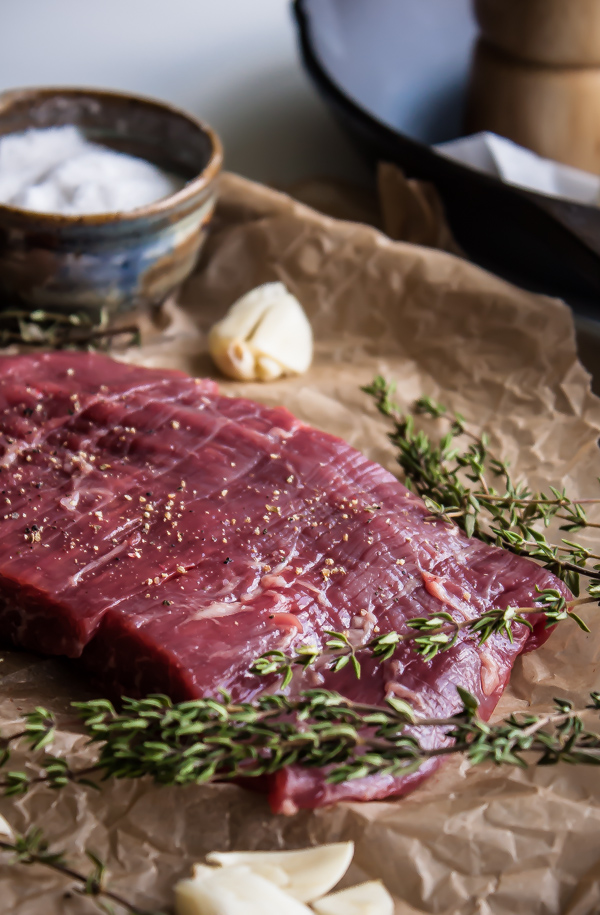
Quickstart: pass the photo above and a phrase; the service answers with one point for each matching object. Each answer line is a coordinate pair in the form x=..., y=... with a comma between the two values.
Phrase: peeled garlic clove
x=306, y=875
x=5, y=828
x=263, y=336
x=236, y=360
x=267, y=369
x=366, y=899
x=201, y=871
x=284, y=334
x=233, y=891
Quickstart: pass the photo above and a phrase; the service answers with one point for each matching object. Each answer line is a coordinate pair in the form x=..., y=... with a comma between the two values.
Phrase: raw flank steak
x=167, y=535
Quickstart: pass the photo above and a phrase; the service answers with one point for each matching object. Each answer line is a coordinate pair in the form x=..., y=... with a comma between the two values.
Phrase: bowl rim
x=160, y=207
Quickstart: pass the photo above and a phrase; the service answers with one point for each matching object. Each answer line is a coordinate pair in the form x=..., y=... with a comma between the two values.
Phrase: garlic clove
x=365, y=899
x=5, y=828
x=236, y=360
x=267, y=369
x=263, y=336
x=200, y=871
x=233, y=891
x=246, y=313
x=306, y=875
x=284, y=333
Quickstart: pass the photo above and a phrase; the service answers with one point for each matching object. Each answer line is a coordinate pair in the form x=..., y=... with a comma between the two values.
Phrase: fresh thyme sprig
x=456, y=485
x=206, y=740
x=55, y=330
x=428, y=637
x=218, y=740
x=277, y=662
x=33, y=848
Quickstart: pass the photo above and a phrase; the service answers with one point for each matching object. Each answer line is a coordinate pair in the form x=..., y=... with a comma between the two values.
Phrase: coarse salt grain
x=57, y=170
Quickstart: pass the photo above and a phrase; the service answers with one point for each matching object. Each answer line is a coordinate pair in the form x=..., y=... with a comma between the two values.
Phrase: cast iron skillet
x=543, y=244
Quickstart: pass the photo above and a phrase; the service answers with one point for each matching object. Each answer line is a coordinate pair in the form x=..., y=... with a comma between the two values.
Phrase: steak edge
x=167, y=535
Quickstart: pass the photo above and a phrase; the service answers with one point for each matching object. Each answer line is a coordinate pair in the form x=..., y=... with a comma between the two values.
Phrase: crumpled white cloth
x=513, y=164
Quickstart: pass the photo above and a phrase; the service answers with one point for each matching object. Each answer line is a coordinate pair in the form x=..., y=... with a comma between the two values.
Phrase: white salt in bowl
x=109, y=262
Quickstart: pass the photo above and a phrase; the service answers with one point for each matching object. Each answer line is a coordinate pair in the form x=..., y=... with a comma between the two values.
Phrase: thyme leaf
x=475, y=489
x=57, y=330
x=219, y=740
x=33, y=848
x=427, y=636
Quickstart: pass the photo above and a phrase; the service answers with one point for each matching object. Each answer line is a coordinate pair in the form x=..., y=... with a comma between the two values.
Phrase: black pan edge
x=500, y=227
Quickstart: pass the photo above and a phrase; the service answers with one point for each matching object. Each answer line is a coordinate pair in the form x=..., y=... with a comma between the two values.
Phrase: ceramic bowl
x=395, y=74
x=113, y=262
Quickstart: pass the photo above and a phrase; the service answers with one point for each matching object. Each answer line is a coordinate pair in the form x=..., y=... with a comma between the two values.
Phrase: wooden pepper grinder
x=535, y=77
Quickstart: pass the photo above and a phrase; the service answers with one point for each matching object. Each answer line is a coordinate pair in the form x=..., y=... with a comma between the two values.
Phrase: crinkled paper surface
x=470, y=841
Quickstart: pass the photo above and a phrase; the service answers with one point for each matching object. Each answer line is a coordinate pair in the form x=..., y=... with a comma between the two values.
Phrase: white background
x=234, y=63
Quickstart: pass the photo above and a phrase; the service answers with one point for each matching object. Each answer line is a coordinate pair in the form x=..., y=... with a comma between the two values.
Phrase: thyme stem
x=428, y=635
x=55, y=330
x=454, y=487
x=207, y=740
x=32, y=848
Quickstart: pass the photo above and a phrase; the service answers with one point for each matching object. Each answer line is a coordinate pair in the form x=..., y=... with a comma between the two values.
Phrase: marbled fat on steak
x=167, y=535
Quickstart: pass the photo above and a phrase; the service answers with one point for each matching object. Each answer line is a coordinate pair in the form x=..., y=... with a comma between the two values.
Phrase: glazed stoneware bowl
x=110, y=262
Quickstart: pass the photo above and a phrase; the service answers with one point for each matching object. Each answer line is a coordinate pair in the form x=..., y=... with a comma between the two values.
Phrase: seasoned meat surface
x=167, y=535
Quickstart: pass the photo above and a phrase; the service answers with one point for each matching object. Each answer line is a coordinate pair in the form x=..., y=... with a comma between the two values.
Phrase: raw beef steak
x=167, y=536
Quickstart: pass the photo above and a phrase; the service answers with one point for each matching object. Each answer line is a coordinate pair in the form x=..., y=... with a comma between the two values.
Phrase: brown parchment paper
x=471, y=840
x=404, y=208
